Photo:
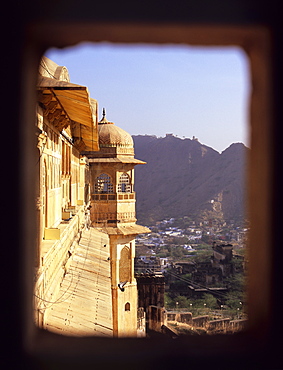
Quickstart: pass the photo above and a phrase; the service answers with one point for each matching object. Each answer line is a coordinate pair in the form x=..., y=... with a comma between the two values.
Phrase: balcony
x=126, y=196
x=112, y=196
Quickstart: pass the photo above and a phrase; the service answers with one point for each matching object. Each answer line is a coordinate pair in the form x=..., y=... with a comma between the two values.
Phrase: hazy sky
x=154, y=90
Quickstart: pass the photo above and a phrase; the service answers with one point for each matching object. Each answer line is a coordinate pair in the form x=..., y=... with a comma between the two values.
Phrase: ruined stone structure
x=84, y=281
x=219, y=267
x=222, y=257
x=151, y=288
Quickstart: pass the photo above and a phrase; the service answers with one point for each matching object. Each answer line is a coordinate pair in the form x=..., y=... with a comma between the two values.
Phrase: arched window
x=124, y=185
x=125, y=265
x=103, y=184
x=127, y=306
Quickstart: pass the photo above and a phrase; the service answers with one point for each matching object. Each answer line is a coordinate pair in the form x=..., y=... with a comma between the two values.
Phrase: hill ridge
x=183, y=177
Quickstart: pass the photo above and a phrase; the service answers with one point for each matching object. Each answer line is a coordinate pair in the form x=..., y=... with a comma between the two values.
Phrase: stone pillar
x=124, y=288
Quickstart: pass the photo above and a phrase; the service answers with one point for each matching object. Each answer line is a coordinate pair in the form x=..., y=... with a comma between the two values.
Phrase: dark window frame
x=258, y=343
x=103, y=184
x=124, y=185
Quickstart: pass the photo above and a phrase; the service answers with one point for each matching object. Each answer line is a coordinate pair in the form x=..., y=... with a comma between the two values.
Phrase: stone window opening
x=127, y=306
x=125, y=265
x=103, y=184
x=263, y=225
x=124, y=185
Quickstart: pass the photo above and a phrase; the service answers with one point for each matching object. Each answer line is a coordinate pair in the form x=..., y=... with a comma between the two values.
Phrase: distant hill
x=183, y=177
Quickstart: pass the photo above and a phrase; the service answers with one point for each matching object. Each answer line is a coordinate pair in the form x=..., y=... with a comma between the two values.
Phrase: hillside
x=183, y=177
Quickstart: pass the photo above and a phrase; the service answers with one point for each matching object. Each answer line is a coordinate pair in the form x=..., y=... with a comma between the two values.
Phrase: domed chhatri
x=111, y=135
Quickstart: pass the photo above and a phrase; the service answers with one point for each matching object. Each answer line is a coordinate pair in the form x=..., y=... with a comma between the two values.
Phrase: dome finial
x=103, y=119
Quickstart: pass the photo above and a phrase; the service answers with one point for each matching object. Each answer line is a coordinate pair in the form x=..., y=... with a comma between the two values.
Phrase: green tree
x=203, y=256
x=178, y=252
x=206, y=303
x=236, y=283
x=236, y=297
x=210, y=301
x=187, y=276
x=182, y=301
x=169, y=302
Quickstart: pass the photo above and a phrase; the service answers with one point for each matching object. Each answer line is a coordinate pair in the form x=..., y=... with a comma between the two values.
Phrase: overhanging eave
x=75, y=101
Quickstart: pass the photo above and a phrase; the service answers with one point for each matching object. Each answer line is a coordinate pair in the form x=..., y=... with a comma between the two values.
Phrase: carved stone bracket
x=79, y=144
x=41, y=140
x=53, y=111
x=38, y=203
